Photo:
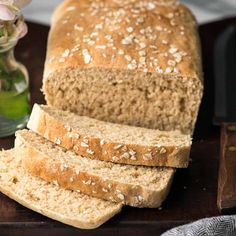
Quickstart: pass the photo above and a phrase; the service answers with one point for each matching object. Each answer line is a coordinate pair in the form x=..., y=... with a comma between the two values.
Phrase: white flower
x=15, y=3
x=10, y=8
x=12, y=25
x=6, y=14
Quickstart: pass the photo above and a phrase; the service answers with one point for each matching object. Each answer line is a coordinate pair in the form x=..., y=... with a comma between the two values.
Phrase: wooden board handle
x=226, y=197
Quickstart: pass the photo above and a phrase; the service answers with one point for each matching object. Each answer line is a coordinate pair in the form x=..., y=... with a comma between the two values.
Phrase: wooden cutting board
x=193, y=195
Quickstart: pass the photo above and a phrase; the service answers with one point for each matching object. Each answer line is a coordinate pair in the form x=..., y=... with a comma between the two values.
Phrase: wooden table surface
x=193, y=195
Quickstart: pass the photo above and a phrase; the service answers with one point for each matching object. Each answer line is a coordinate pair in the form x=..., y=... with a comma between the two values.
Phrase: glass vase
x=14, y=92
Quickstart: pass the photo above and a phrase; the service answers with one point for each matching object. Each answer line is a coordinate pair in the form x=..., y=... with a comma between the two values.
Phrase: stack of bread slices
x=106, y=165
x=88, y=152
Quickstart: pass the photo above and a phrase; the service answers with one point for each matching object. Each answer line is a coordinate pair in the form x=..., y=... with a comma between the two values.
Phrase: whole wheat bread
x=135, y=186
x=125, y=61
x=69, y=207
x=111, y=142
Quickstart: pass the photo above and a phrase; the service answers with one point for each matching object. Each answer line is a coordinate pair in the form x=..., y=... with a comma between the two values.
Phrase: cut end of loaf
x=139, y=99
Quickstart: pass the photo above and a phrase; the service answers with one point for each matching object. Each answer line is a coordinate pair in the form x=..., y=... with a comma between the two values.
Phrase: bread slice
x=111, y=142
x=135, y=62
x=66, y=206
x=131, y=185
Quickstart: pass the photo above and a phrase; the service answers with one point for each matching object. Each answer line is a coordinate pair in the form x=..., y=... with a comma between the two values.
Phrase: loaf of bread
x=69, y=207
x=127, y=184
x=134, y=62
x=111, y=142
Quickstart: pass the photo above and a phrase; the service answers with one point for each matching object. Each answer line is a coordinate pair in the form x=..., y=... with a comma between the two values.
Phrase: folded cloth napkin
x=215, y=226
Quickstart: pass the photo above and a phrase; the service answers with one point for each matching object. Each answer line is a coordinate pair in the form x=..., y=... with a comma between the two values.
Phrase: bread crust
x=176, y=33
x=54, y=130
x=44, y=166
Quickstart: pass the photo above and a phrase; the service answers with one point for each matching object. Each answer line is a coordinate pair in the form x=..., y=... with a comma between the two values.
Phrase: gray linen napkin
x=215, y=226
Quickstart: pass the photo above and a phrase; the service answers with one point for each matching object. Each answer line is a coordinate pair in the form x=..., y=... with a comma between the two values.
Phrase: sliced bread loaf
x=134, y=62
x=111, y=142
x=132, y=185
x=69, y=207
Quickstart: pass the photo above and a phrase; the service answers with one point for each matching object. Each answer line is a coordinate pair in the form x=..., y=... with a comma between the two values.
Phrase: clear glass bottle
x=14, y=92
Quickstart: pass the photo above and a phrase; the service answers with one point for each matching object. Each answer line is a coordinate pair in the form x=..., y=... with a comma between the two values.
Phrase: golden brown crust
x=145, y=36
x=52, y=129
x=41, y=165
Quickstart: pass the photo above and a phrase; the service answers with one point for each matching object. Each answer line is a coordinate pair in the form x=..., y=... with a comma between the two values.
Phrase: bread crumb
x=84, y=144
x=57, y=141
x=125, y=155
x=128, y=57
x=66, y=53
x=101, y=47
x=129, y=29
x=87, y=57
x=133, y=158
x=115, y=158
x=61, y=60
x=127, y=40
x=68, y=128
x=117, y=146
x=147, y=156
x=140, y=198
x=89, y=151
x=99, y=26
x=142, y=45
x=55, y=182
x=121, y=196
x=102, y=142
x=71, y=179
x=121, y=52
x=163, y=150
x=88, y=182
